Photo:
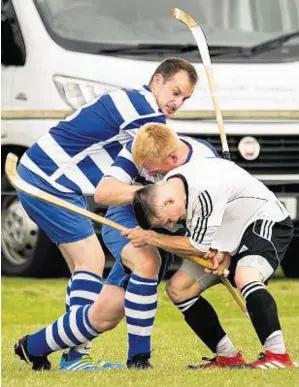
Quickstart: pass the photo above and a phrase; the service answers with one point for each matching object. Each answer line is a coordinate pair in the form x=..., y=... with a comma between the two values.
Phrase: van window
x=13, y=51
x=90, y=25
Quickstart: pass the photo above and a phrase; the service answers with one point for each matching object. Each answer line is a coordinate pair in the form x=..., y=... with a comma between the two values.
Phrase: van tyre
x=25, y=249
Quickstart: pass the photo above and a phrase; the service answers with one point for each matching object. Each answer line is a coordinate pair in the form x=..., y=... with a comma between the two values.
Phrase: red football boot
x=221, y=362
x=269, y=360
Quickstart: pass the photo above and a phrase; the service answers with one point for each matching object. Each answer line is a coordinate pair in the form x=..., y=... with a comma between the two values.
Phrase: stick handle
x=216, y=103
x=22, y=185
x=234, y=292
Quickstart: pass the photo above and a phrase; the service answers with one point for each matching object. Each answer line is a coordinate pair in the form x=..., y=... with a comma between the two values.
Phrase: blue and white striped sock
x=69, y=330
x=140, y=310
x=67, y=296
x=84, y=289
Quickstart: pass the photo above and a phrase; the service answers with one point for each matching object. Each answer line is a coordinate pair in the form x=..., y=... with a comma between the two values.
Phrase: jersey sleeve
x=134, y=108
x=123, y=167
x=207, y=212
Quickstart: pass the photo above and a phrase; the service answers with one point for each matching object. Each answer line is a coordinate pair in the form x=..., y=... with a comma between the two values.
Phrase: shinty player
x=229, y=211
x=69, y=162
x=136, y=288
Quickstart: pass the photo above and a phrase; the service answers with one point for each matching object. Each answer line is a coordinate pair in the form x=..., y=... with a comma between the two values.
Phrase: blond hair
x=154, y=142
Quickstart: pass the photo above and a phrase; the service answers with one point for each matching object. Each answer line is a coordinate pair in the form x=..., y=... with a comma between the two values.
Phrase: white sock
x=275, y=343
x=226, y=348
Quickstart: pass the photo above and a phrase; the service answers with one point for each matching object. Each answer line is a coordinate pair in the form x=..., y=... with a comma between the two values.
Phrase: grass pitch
x=28, y=305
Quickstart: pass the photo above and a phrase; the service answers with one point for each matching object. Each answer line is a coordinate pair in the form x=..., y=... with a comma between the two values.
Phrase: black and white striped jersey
x=222, y=201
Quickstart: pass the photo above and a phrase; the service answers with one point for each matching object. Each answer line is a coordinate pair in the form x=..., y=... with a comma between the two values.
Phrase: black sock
x=262, y=309
x=203, y=320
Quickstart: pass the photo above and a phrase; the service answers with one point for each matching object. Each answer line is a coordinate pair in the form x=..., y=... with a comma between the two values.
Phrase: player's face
x=159, y=166
x=171, y=213
x=171, y=94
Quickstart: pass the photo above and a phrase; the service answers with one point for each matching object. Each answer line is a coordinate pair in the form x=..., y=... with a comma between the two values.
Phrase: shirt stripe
x=74, y=155
x=206, y=205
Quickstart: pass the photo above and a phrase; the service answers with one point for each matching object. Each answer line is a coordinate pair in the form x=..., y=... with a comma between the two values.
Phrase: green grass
x=29, y=304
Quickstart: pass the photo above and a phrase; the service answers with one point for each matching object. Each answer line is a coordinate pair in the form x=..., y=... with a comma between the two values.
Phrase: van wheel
x=26, y=250
x=290, y=262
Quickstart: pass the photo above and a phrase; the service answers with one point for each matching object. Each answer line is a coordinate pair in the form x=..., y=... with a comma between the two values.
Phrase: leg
x=85, y=287
x=184, y=289
x=141, y=293
x=108, y=309
x=77, y=326
x=82, y=251
x=86, y=258
x=106, y=312
x=263, y=313
x=255, y=267
x=85, y=255
x=141, y=300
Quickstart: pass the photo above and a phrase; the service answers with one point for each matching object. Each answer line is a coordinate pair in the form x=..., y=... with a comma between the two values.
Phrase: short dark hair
x=143, y=205
x=171, y=66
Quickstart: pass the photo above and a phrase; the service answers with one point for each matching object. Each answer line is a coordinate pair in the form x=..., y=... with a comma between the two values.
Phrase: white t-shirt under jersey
x=222, y=201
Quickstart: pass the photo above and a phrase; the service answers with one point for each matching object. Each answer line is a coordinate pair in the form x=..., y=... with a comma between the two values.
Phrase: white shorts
x=196, y=271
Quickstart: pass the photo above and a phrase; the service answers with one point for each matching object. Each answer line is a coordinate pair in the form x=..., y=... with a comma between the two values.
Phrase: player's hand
x=137, y=236
x=221, y=261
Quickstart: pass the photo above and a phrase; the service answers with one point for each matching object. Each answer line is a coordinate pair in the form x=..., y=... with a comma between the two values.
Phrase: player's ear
x=173, y=157
x=168, y=201
x=158, y=79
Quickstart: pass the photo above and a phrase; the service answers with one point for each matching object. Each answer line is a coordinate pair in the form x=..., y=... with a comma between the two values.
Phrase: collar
x=147, y=88
x=190, y=150
x=180, y=176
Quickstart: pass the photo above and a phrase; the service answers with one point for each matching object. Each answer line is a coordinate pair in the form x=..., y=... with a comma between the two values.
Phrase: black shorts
x=265, y=238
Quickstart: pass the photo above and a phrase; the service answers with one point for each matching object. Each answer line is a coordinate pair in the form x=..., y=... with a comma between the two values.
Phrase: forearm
x=112, y=192
x=179, y=245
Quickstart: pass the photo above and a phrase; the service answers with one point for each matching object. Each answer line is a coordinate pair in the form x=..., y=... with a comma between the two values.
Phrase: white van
x=59, y=54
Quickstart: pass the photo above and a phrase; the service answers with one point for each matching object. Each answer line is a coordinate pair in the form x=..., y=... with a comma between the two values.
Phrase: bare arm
x=179, y=245
x=112, y=192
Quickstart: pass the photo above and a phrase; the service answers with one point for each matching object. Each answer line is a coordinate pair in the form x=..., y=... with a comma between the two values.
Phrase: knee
x=179, y=292
x=245, y=275
x=172, y=291
x=147, y=265
x=150, y=265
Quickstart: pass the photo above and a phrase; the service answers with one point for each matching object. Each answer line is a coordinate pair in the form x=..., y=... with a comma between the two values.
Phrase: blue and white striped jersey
x=125, y=170
x=74, y=155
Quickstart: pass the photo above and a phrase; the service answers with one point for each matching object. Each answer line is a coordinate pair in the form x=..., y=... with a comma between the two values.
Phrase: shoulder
x=202, y=147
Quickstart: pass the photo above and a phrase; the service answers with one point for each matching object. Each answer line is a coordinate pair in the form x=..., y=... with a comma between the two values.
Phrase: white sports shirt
x=222, y=201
